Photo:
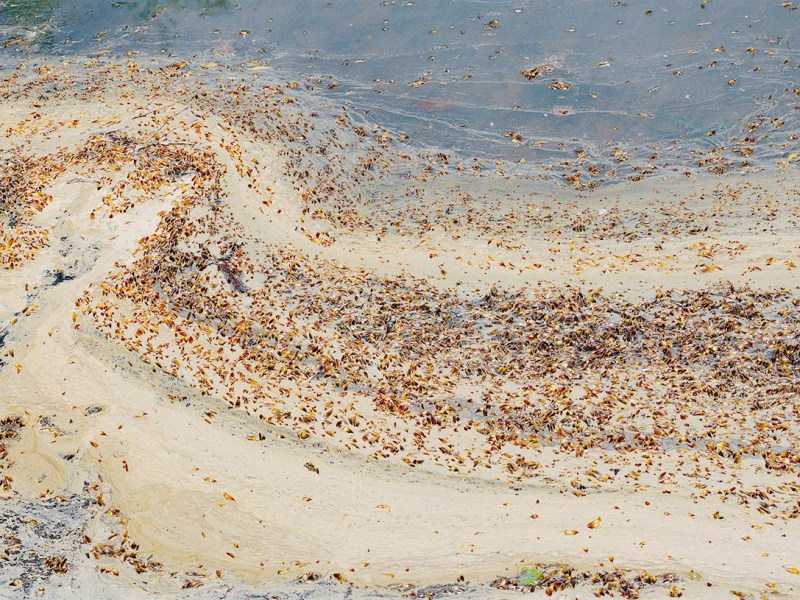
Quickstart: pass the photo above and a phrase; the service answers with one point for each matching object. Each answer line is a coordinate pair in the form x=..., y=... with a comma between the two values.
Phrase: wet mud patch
x=38, y=540
x=60, y=277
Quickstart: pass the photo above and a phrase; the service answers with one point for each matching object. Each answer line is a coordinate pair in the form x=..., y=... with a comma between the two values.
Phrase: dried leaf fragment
x=532, y=74
x=559, y=85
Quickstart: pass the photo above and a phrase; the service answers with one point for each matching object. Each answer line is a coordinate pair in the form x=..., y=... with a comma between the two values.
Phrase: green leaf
x=530, y=576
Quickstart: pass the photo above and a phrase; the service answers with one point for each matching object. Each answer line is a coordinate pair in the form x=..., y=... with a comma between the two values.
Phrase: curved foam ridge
x=254, y=345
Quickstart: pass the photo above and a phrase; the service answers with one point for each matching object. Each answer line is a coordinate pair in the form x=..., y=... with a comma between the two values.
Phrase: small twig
x=173, y=144
x=164, y=124
x=83, y=180
x=157, y=143
x=156, y=109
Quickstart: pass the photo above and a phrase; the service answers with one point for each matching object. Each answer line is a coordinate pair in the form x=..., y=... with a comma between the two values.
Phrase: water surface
x=624, y=88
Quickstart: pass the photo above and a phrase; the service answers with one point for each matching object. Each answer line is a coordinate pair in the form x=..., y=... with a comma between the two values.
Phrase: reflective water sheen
x=661, y=81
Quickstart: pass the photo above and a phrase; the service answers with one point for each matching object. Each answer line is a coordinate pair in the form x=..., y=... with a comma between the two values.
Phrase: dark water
x=664, y=81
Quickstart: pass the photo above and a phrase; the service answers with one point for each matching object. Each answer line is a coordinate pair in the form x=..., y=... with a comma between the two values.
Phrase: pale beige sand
x=203, y=488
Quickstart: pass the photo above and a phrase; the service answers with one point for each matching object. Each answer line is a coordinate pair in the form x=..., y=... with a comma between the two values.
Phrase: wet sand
x=244, y=367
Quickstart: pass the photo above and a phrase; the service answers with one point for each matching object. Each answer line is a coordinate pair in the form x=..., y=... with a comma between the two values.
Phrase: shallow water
x=627, y=88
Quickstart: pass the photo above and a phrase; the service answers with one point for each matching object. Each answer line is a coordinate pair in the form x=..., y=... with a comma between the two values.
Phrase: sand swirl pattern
x=250, y=345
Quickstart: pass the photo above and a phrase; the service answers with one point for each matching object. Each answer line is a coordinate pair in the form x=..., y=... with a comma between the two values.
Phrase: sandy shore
x=230, y=379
